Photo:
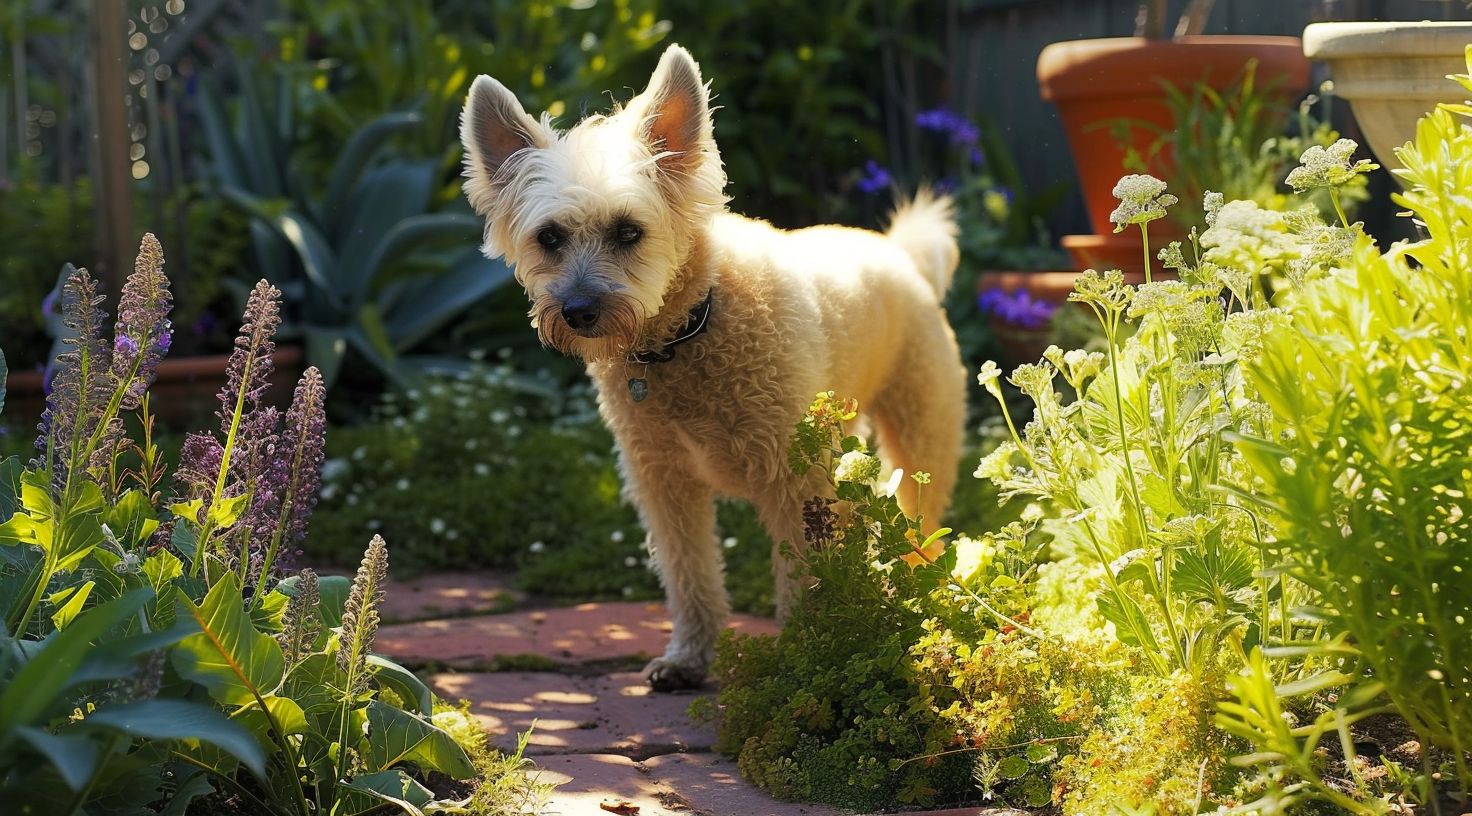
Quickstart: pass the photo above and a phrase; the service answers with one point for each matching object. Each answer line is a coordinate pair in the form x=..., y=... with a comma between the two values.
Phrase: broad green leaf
x=404, y=683
x=283, y=712
x=75, y=598
x=316, y=685
x=10, y=470
x=132, y=519
x=33, y=690
x=226, y=512
x=161, y=568
x=228, y=656
x=164, y=719
x=1012, y=767
x=398, y=736
x=395, y=787
x=73, y=756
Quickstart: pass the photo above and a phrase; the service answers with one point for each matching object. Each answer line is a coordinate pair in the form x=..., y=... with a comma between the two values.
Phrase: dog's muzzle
x=581, y=314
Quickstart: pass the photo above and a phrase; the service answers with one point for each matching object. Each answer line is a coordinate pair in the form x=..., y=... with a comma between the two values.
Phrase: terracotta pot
x=1391, y=73
x=1096, y=82
x=184, y=392
x=1122, y=251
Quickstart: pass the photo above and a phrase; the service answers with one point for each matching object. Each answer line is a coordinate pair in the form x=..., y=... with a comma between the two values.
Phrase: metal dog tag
x=638, y=388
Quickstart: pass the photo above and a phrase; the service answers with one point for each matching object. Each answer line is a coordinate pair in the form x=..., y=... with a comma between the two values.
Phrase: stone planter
x=1391, y=73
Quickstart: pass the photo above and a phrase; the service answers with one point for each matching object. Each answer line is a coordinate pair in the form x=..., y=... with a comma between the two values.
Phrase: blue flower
x=944, y=120
x=875, y=178
x=1017, y=309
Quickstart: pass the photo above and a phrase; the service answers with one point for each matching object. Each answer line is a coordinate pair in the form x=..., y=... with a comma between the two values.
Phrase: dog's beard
x=616, y=332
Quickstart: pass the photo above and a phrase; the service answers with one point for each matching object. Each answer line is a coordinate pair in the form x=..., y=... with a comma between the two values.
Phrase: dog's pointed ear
x=493, y=128
x=676, y=114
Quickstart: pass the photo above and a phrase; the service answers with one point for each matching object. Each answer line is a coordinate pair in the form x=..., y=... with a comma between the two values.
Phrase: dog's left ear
x=676, y=114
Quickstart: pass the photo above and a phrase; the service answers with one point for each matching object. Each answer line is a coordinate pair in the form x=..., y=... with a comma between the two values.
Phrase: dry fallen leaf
x=623, y=807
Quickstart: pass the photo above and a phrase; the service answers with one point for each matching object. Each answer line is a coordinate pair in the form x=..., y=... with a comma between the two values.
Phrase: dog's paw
x=666, y=674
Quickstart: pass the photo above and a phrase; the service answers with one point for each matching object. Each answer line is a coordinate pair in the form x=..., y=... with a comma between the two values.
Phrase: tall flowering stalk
x=247, y=377
x=80, y=385
x=301, y=622
x=297, y=469
x=95, y=381
x=355, y=641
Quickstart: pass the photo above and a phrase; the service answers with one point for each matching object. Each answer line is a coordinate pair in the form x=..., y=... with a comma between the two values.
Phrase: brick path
x=601, y=735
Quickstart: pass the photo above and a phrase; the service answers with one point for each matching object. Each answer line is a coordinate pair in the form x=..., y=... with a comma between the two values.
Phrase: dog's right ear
x=493, y=128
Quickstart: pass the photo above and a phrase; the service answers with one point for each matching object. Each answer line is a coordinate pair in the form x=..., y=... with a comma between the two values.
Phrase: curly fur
x=794, y=313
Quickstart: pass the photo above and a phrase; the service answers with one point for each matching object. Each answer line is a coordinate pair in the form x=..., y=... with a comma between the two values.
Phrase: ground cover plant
x=153, y=659
x=1232, y=583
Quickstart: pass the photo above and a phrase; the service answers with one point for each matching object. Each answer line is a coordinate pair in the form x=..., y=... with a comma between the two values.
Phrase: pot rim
x=1389, y=40
x=1126, y=66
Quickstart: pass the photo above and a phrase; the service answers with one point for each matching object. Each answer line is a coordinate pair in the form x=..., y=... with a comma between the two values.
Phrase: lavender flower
x=942, y=120
x=292, y=474
x=301, y=622
x=81, y=385
x=360, y=616
x=143, y=332
x=199, y=466
x=306, y=441
x=1018, y=309
x=875, y=179
x=249, y=371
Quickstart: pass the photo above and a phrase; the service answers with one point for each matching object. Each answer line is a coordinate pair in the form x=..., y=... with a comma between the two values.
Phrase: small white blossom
x=895, y=480
x=482, y=469
x=856, y=466
x=729, y=542
x=402, y=484
x=537, y=546
x=1142, y=199
x=1328, y=166
x=616, y=536
x=631, y=561
x=437, y=526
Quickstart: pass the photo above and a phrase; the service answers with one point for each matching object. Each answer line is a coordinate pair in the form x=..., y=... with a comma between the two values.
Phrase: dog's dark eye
x=627, y=234
x=549, y=238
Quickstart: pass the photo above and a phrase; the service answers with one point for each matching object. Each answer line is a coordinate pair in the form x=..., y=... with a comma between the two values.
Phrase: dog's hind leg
x=781, y=510
x=920, y=417
x=679, y=513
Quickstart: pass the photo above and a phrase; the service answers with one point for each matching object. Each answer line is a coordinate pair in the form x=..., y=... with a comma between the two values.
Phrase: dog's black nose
x=581, y=313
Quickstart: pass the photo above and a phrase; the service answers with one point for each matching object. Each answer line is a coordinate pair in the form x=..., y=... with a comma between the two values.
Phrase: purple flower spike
x=306, y=436
x=875, y=179
x=82, y=382
x=143, y=319
x=249, y=370
x=1018, y=309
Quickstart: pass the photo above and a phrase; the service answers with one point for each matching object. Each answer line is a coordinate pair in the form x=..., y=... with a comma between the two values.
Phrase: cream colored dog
x=708, y=333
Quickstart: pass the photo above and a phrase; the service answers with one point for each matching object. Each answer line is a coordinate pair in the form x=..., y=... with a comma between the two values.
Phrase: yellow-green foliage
x=1158, y=749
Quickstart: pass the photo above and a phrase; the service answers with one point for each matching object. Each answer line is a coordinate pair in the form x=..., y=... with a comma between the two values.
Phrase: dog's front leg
x=680, y=515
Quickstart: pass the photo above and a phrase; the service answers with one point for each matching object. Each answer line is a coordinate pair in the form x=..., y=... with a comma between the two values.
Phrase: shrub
x=1374, y=383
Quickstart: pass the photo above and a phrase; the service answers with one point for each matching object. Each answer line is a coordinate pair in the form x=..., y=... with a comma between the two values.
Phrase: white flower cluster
x=1142, y=198
x=1329, y=166
x=857, y=466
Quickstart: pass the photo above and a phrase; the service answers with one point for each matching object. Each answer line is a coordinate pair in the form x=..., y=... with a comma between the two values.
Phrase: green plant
x=367, y=265
x=1233, y=142
x=523, y=475
x=147, y=640
x=1373, y=381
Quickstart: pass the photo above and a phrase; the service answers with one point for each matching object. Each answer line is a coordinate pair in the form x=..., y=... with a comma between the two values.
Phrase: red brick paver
x=571, y=635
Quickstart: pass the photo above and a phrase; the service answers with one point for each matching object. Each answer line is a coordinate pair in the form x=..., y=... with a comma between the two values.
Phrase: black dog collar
x=695, y=325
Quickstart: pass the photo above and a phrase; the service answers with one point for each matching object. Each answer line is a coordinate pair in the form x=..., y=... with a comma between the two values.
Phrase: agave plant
x=367, y=265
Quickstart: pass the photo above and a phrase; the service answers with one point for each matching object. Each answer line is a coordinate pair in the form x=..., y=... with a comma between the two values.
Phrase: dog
x=707, y=334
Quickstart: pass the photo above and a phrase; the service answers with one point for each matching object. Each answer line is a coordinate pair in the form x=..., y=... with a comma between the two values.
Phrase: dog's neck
x=690, y=287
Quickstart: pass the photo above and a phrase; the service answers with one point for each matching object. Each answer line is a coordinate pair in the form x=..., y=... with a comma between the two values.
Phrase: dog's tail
x=925, y=226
